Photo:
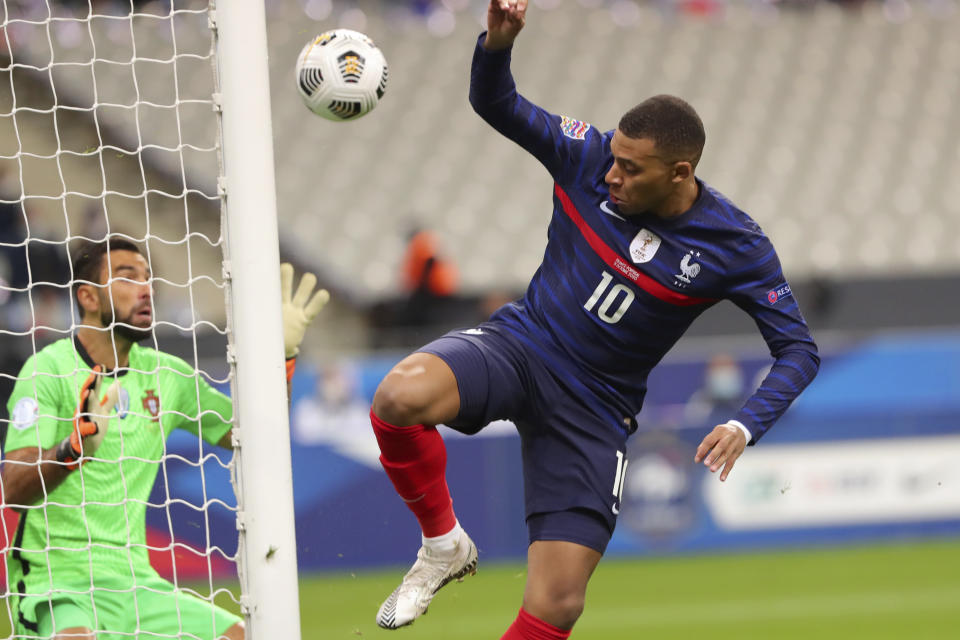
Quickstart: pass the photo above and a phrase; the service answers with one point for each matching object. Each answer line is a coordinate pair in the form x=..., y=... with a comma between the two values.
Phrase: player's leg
x=64, y=619
x=573, y=453
x=418, y=393
x=564, y=550
x=453, y=380
x=160, y=609
x=557, y=576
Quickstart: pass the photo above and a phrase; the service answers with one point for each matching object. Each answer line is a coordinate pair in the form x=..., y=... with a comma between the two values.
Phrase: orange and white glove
x=91, y=420
x=299, y=310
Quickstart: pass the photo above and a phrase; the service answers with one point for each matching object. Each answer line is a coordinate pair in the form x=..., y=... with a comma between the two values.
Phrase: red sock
x=527, y=627
x=416, y=462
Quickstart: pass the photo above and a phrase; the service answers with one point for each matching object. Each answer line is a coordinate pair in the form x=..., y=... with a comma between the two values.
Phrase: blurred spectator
x=35, y=297
x=431, y=300
x=13, y=264
x=722, y=394
x=429, y=280
x=425, y=272
x=31, y=252
x=430, y=297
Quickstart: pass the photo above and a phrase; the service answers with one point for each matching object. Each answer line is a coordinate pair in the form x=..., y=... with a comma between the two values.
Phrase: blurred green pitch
x=908, y=590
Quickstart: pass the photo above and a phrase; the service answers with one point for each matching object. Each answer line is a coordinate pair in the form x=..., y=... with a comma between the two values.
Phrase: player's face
x=640, y=180
x=128, y=286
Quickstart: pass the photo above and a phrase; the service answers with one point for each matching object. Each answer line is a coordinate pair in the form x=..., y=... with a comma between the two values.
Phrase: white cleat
x=430, y=572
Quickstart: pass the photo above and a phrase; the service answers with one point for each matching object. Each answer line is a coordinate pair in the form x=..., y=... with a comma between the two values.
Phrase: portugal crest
x=151, y=402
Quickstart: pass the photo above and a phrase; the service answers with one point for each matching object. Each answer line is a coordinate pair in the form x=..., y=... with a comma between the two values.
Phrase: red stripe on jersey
x=620, y=265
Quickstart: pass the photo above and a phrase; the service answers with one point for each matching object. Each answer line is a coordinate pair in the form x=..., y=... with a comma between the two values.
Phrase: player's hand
x=91, y=419
x=505, y=19
x=300, y=309
x=721, y=448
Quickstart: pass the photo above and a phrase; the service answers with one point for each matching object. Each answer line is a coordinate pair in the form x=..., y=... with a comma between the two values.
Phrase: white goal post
x=148, y=122
x=268, y=562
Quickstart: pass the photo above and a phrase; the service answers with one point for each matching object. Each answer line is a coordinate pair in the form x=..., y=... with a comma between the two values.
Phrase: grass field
x=902, y=591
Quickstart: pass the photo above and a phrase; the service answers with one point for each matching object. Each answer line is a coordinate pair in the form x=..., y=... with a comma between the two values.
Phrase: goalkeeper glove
x=298, y=311
x=90, y=420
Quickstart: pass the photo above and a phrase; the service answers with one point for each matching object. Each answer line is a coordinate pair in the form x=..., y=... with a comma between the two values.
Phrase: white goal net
x=110, y=127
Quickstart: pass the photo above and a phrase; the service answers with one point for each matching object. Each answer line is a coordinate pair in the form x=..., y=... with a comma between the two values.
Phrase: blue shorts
x=573, y=459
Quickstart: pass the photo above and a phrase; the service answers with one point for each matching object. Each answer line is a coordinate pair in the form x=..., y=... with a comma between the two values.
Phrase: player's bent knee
x=397, y=402
x=419, y=390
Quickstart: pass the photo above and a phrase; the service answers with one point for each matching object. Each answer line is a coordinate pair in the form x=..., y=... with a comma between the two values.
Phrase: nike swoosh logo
x=605, y=207
x=473, y=332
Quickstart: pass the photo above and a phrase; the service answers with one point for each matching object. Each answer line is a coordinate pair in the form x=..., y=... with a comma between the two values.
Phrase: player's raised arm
x=505, y=19
x=556, y=142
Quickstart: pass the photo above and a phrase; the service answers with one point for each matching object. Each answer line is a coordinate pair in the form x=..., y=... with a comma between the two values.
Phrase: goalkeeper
x=89, y=417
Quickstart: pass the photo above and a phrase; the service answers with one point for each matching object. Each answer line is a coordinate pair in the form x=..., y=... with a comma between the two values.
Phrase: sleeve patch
x=576, y=129
x=123, y=404
x=783, y=291
x=26, y=413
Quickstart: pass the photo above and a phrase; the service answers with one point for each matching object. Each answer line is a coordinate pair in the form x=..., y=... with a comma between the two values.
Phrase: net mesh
x=110, y=129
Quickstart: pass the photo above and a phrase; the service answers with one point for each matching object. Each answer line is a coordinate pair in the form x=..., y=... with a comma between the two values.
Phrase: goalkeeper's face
x=127, y=298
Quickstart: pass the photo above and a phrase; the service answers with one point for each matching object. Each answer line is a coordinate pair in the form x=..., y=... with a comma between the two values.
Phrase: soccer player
x=638, y=247
x=80, y=463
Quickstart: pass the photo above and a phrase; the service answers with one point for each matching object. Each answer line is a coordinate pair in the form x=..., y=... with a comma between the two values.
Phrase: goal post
x=268, y=559
x=150, y=123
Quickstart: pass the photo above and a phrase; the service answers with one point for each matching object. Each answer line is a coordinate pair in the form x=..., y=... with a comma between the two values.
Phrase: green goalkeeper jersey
x=93, y=524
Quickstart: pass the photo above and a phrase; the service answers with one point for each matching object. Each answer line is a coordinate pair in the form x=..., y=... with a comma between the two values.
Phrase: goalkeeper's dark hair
x=671, y=123
x=88, y=261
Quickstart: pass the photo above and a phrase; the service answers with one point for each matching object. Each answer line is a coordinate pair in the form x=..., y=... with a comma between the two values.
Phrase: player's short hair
x=88, y=261
x=671, y=123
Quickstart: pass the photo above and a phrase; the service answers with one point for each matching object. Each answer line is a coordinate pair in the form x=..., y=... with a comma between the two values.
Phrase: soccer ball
x=341, y=75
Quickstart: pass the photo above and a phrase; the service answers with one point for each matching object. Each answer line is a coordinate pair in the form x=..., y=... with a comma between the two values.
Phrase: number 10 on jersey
x=610, y=299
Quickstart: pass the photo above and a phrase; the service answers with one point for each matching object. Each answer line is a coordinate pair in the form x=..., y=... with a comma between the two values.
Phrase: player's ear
x=681, y=171
x=88, y=298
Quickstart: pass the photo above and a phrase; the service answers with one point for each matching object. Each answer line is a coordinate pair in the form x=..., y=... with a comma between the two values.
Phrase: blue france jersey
x=614, y=293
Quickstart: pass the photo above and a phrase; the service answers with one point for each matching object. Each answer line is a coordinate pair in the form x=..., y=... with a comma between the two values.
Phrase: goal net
x=113, y=126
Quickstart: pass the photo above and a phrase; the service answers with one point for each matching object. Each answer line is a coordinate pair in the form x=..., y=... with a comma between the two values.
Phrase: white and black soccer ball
x=341, y=75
